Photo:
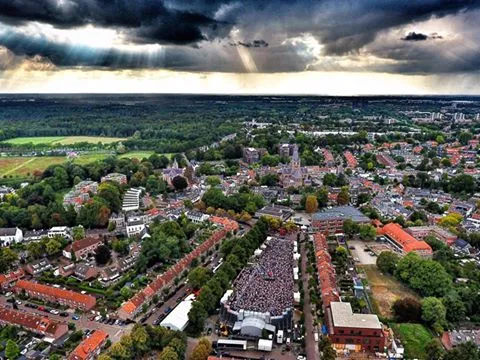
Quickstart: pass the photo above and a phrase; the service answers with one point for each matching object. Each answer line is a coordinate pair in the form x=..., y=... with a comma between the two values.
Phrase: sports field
x=64, y=140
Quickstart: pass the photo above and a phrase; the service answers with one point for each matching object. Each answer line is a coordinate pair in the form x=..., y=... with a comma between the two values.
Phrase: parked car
x=64, y=314
x=75, y=317
x=54, y=312
x=41, y=308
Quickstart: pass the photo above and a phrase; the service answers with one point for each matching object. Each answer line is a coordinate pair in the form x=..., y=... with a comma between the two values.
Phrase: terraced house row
x=52, y=294
x=131, y=308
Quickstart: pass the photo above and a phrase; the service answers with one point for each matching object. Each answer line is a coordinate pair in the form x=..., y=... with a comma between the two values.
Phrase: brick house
x=356, y=332
x=38, y=324
x=90, y=347
x=54, y=295
x=82, y=248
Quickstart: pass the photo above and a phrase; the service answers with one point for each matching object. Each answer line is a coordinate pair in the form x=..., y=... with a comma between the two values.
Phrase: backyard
x=385, y=290
x=414, y=337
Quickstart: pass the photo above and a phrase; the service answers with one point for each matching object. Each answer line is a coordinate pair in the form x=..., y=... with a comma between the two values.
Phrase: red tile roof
x=352, y=162
x=228, y=224
x=11, y=277
x=404, y=239
x=37, y=323
x=326, y=271
x=131, y=306
x=87, y=301
x=82, y=244
x=88, y=346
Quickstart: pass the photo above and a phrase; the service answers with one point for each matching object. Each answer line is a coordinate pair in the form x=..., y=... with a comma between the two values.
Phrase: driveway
x=364, y=258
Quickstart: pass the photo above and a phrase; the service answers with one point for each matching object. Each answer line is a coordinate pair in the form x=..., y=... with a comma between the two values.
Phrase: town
x=342, y=231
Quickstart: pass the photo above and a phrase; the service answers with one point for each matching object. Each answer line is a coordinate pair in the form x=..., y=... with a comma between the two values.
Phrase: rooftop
x=343, y=316
x=89, y=345
x=340, y=212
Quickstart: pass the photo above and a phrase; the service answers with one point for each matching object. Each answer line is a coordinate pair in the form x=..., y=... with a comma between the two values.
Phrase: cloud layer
x=244, y=36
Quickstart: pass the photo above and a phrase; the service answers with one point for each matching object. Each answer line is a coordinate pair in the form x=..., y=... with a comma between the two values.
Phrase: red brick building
x=82, y=248
x=355, y=332
x=7, y=279
x=63, y=297
x=90, y=347
x=403, y=241
x=36, y=323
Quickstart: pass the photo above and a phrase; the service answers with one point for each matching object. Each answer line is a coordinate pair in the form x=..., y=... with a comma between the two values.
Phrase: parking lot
x=359, y=254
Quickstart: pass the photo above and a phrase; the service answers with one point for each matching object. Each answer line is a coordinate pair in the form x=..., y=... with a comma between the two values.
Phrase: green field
x=142, y=154
x=414, y=338
x=64, y=140
x=26, y=165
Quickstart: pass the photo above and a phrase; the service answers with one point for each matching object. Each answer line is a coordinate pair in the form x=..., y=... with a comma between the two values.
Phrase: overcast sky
x=241, y=46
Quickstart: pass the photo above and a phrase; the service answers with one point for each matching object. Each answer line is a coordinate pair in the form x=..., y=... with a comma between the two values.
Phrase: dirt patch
x=385, y=289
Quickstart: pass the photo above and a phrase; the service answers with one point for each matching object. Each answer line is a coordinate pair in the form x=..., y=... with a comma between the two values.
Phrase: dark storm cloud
x=413, y=36
x=192, y=29
x=144, y=21
x=251, y=44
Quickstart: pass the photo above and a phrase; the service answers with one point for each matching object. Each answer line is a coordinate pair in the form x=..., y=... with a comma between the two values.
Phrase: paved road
x=114, y=331
x=311, y=347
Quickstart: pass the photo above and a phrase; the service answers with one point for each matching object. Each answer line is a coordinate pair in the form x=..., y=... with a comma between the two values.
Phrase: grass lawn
x=65, y=140
x=414, y=338
x=385, y=289
x=137, y=154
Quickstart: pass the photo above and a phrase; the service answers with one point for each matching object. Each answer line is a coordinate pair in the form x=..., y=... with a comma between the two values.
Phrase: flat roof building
x=349, y=330
x=178, y=319
x=331, y=220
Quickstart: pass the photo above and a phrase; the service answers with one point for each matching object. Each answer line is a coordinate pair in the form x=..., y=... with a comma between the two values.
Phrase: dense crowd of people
x=267, y=285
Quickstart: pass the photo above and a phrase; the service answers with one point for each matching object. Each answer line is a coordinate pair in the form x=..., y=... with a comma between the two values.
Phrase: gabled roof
x=87, y=300
x=89, y=345
x=29, y=321
x=82, y=244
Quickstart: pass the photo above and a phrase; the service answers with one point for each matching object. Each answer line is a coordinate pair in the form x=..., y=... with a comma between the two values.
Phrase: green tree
x=434, y=350
x=433, y=311
x=464, y=351
x=213, y=181
x=126, y=293
x=407, y=310
x=343, y=197
x=198, y=277
x=168, y=353
x=311, y=204
x=179, y=182
x=12, y=350
x=387, y=262
x=322, y=197
x=78, y=232
x=367, y=232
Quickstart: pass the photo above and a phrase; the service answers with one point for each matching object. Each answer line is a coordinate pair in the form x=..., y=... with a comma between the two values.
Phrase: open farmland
x=62, y=140
x=385, y=289
x=26, y=165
